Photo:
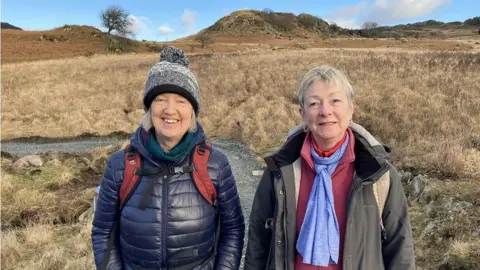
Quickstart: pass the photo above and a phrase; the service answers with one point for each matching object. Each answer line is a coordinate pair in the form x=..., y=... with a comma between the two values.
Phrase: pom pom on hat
x=174, y=55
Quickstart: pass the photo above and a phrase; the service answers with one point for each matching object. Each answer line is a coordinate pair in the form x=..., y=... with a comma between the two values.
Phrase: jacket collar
x=138, y=137
x=349, y=155
x=371, y=155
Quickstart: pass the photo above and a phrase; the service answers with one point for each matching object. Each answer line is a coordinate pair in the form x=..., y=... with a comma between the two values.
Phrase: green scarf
x=181, y=150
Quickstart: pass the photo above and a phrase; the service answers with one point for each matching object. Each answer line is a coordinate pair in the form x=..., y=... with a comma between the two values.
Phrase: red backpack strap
x=200, y=173
x=130, y=178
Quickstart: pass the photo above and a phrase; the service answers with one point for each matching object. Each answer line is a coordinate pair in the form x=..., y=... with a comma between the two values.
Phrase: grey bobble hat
x=171, y=75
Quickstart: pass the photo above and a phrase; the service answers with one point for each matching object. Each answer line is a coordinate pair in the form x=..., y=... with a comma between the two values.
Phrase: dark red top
x=341, y=183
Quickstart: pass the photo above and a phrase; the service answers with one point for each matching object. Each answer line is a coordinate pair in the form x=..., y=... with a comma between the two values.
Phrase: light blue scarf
x=319, y=238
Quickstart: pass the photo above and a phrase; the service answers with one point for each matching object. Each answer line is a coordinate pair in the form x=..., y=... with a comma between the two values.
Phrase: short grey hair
x=147, y=123
x=328, y=75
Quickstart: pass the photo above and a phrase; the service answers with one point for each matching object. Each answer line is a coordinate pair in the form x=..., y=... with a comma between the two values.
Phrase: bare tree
x=116, y=18
x=334, y=27
x=369, y=25
x=370, y=29
x=204, y=39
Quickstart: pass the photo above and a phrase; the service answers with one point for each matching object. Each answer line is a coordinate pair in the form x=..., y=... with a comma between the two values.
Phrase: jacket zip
x=165, y=211
x=355, y=187
x=164, y=219
x=272, y=241
x=353, y=191
x=274, y=227
x=285, y=242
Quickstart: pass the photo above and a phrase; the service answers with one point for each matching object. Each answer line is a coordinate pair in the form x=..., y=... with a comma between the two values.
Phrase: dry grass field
x=425, y=105
x=41, y=210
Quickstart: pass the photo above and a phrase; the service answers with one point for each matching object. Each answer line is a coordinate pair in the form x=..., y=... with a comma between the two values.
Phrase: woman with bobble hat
x=182, y=210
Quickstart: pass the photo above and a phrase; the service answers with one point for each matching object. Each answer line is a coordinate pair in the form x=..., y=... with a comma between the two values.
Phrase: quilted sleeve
x=105, y=216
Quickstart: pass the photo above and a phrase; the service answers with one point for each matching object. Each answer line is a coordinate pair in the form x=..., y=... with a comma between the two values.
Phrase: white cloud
x=137, y=25
x=383, y=11
x=346, y=23
x=351, y=10
x=142, y=27
x=346, y=16
x=389, y=11
x=189, y=18
x=165, y=30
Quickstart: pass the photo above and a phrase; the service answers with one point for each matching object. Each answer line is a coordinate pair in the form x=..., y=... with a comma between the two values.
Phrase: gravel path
x=242, y=161
x=77, y=146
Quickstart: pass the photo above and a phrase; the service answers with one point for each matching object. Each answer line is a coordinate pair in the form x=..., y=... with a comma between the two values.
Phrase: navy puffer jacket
x=178, y=225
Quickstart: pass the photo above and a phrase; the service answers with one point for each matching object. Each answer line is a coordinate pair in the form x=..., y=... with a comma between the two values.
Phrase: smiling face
x=171, y=116
x=327, y=113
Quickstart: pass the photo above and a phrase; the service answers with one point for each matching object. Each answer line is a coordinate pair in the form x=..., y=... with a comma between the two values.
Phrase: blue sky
x=167, y=20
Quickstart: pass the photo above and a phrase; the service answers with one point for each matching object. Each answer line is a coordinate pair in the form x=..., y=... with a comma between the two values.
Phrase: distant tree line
x=288, y=21
x=473, y=21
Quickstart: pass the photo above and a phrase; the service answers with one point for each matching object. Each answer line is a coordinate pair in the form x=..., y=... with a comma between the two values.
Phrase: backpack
x=380, y=192
x=134, y=170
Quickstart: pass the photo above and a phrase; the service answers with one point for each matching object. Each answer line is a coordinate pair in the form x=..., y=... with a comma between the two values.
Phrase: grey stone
x=417, y=185
x=406, y=176
x=28, y=161
x=257, y=173
x=427, y=195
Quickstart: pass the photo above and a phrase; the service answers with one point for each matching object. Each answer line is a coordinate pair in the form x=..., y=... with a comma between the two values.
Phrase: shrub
x=205, y=39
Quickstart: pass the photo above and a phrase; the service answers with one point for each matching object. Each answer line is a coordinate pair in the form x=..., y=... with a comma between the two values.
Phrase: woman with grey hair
x=168, y=200
x=329, y=198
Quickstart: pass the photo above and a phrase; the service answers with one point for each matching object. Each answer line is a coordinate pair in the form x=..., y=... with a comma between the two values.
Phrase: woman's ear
x=301, y=112
x=352, y=107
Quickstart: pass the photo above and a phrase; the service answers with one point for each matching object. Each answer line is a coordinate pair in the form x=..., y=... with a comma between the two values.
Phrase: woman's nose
x=169, y=107
x=325, y=109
